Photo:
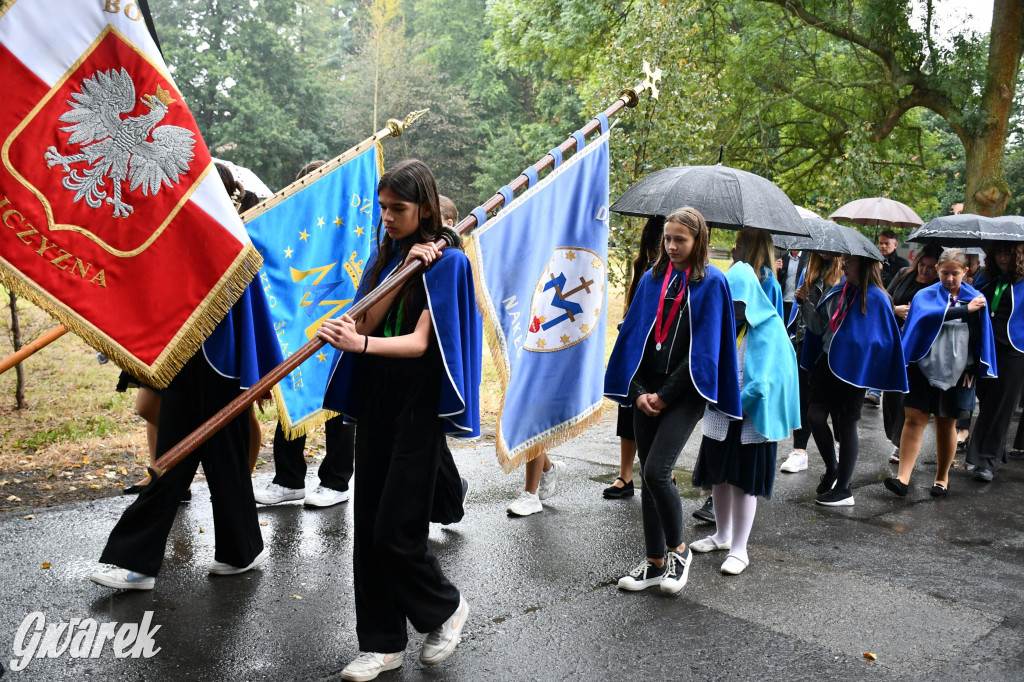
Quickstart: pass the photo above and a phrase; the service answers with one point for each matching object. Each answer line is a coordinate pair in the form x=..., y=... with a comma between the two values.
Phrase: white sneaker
x=276, y=494
x=368, y=665
x=549, y=480
x=326, y=497
x=440, y=643
x=221, y=568
x=797, y=461
x=123, y=579
x=525, y=504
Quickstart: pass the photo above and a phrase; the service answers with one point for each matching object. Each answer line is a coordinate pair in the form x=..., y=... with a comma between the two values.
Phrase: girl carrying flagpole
x=409, y=372
x=675, y=355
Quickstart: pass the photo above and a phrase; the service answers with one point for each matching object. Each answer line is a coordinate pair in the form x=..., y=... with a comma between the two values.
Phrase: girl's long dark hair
x=1016, y=273
x=411, y=181
x=870, y=275
x=926, y=251
x=650, y=241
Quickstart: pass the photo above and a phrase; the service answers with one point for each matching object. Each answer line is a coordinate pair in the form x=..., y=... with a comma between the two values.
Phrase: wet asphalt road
x=935, y=589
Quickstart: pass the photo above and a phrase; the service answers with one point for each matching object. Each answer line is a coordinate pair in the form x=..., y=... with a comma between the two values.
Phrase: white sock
x=722, y=494
x=744, y=508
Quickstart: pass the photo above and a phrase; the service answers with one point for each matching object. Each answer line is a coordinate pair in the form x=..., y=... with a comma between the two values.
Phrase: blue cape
x=771, y=386
x=712, y=342
x=773, y=290
x=1016, y=324
x=866, y=350
x=244, y=345
x=924, y=321
x=459, y=333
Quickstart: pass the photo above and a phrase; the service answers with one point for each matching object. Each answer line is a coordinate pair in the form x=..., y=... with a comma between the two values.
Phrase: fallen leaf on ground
x=294, y=596
x=17, y=480
x=870, y=656
x=46, y=564
x=122, y=471
x=263, y=523
x=30, y=517
x=47, y=487
x=201, y=529
x=14, y=498
x=72, y=488
x=85, y=460
x=94, y=486
x=3, y=483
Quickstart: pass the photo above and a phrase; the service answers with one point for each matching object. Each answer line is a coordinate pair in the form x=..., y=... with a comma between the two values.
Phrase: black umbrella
x=727, y=198
x=968, y=229
x=829, y=237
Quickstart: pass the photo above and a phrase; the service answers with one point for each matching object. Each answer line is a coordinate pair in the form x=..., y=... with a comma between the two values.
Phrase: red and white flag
x=112, y=215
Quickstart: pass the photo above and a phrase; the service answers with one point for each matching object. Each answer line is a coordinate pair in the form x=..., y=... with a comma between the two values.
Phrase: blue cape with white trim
x=712, y=341
x=1015, y=327
x=458, y=329
x=866, y=350
x=243, y=345
x=771, y=386
x=924, y=321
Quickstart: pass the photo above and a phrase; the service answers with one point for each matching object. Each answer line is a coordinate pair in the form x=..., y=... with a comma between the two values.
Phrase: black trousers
x=893, y=415
x=398, y=452
x=140, y=536
x=659, y=441
x=336, y=469
x=997, y=400
x=802, y=435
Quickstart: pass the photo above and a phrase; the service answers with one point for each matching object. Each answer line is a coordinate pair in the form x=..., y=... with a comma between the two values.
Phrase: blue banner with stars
x=314, y=246
x=540, y=266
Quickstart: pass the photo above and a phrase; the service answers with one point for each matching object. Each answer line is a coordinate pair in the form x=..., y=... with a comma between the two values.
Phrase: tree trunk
x=987, y=192
x=19, y=392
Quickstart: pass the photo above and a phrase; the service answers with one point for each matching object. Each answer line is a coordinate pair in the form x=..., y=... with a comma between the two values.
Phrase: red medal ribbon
x=661, y=330
x=840, y=313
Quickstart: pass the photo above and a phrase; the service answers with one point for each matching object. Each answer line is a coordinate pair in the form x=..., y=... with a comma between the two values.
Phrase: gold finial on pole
x=398, y=127
x=632, y=95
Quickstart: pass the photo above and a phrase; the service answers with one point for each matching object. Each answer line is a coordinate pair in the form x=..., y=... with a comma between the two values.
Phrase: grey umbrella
x=968, y=229
x=829, y=237
x=727, y=198
x=877, y=211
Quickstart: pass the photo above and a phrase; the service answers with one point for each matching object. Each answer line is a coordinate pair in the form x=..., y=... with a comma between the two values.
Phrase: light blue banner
x=314, y=245
x=541, y=266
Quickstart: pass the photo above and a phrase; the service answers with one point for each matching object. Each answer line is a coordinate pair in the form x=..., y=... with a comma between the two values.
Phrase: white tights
x=734, y=516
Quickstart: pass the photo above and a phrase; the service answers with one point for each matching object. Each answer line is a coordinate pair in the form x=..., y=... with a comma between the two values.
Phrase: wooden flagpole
x=30, y=348
x=629, y=97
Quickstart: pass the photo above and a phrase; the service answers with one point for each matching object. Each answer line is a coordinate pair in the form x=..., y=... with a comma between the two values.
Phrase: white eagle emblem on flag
x=136, y=150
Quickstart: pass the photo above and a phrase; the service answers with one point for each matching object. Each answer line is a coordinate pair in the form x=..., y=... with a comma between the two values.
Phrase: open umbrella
x=806, y=212
x=828, y=237
x=968, y=229
x=727, y=198
x=877, y=211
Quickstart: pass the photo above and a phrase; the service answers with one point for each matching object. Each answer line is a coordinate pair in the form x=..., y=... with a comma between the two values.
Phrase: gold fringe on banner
x=179, y=350
x=510, y=460
x=293, y=430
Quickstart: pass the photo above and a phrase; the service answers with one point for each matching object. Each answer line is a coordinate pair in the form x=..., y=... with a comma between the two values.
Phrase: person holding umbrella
x=1002, y=283
x=852, y=343
x=675, y=354
x=947, y=341
x=754, y=247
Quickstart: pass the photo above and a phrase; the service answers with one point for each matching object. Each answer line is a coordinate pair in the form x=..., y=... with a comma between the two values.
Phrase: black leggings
x=849, y=444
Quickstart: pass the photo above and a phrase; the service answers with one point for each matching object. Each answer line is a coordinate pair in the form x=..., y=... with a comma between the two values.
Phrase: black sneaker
x=836, y=497
x=826, y=482
x=677, y=568
x=897, y=486
x=984, y=475
x=707, y=512
x=643, y=576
